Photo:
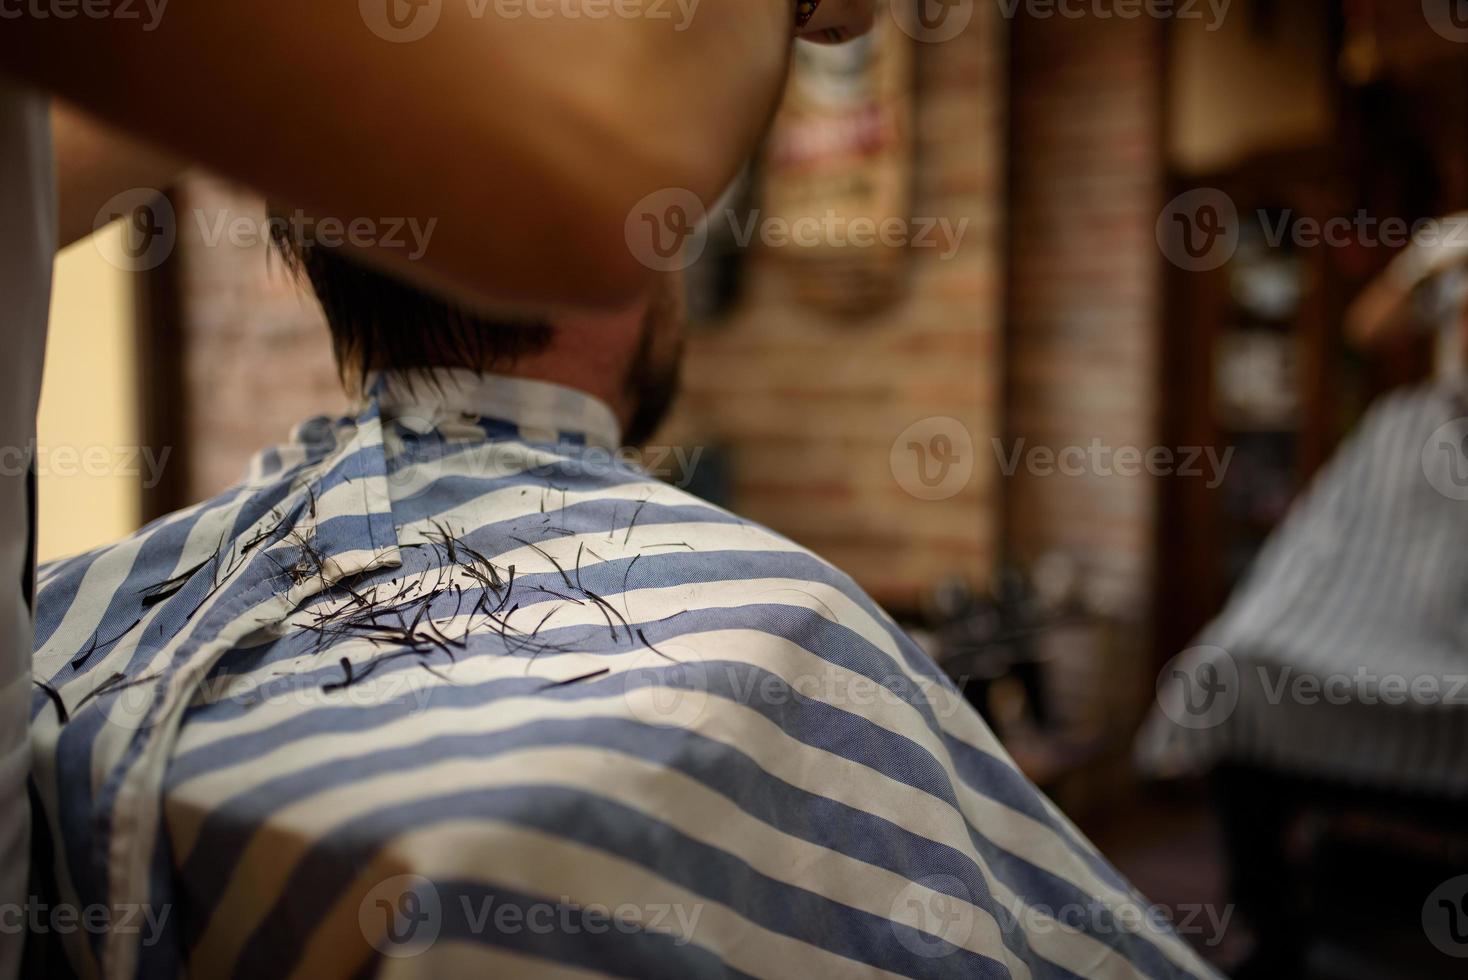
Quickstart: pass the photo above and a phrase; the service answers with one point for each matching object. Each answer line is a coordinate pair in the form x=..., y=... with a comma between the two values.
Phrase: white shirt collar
x=543, y=410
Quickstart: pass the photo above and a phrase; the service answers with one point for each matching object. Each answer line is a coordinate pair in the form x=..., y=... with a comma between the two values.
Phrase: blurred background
x=1018, y=318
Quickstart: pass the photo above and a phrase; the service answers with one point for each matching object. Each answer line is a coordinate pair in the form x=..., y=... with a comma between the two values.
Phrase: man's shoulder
x=653, y=539
x=91, y=596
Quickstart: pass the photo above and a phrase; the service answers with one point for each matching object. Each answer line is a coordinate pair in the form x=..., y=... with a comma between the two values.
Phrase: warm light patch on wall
x=90, y=469
x=1249, y=82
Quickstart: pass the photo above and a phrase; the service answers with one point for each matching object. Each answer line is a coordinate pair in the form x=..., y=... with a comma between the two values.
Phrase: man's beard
x=652, y=385
x=652, y=380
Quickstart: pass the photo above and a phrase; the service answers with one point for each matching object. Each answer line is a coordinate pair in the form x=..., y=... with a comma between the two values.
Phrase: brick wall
x=808, y=407
x=1087, y=160
x=256, y=354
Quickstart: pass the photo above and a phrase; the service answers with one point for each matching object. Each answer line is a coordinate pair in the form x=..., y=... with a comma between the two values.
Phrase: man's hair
x=378, y=321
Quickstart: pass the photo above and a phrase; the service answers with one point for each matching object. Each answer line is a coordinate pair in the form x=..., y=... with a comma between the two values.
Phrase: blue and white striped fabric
x=445, y=689
x=1344, y=653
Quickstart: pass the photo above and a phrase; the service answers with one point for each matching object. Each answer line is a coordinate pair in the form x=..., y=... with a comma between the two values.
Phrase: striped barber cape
x=447, y=689
x=1344, y=653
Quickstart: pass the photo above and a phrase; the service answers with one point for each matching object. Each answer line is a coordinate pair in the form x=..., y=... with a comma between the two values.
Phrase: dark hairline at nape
x=379, y=321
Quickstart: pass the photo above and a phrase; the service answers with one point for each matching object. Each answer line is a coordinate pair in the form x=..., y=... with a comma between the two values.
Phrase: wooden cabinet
x=1255, y=373
x=1255, y=362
